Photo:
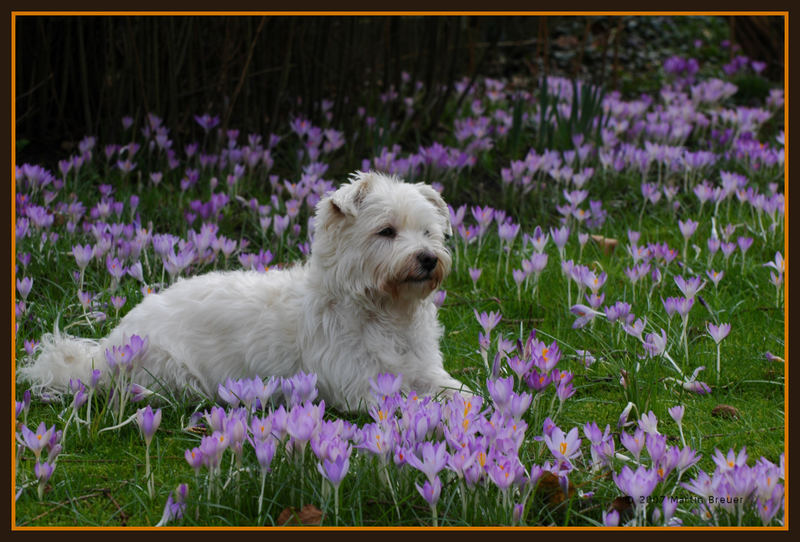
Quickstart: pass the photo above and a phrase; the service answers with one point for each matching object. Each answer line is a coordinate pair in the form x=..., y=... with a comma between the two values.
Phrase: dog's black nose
x=427, y=260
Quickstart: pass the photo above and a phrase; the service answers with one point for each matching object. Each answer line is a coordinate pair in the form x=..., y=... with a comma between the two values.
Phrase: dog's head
x=378, y=236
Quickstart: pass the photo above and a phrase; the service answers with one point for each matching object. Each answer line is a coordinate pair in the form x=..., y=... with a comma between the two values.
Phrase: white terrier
x=361, y=305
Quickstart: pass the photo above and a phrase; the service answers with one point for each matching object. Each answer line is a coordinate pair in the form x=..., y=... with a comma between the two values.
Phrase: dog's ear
x=349, y=197
x=441, y=207
x=345, y=201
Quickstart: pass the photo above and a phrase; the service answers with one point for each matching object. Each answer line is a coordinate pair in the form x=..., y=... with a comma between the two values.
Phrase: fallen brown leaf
x=608, y=244
x=551, y=488
x=725, y=411
x=308, y=515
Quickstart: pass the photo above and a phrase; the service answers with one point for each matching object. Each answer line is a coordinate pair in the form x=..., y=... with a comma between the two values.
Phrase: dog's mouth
x=419, y=278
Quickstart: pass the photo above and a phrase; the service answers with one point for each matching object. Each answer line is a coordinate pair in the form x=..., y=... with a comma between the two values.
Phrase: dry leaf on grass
x=608, y=244
x=725, y=411
x=308, y=515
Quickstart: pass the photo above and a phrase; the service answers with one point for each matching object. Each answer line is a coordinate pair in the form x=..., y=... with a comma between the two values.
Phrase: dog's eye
x=427, y=233
x=388, y=232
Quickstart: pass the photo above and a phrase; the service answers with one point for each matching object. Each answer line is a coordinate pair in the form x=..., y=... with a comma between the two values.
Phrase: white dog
x=361, y=305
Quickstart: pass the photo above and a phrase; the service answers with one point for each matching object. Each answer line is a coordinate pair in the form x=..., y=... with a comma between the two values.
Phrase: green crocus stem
x=463, y=491
x=718, y=364
x=89, y=410
x=685, y=337
x=435, y=518
x=66, y=425
x=151, y=490
x=336, y=504
x=261, y=495
x=40, y=489
x=385, y=473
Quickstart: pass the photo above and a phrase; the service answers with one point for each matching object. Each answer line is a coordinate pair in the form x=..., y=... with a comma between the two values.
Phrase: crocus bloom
x=431, y=490
x=43, y=471
x=385, y=385
x=637, y=484
x=488, y=321
x=677, y=413
x=265, y=451
x=715, y=276
x=501, y=390
x=564, y=446
x=83, y=255
x=474, y=275
x=634, y=443
x=148, y=422
x=611, y=518
x=195, y=459
x=433, y=460
x=175, y=506
x=584, y=313
x=718, y=332
x=560, y=237
x=731, y=460
x=649, y=423
x=637, y=328
x=655, y=345
x=687, y=228
x=24, y=287
x=36, y=441
x=689, y=287
x=744, y=244
x=335, y=470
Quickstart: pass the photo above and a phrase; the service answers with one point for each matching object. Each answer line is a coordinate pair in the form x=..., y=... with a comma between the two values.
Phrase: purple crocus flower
x=24, y=287
x=718, y=332
x=730, y=461
x=431, y=490
x=560, y=237
x=637, y=484
x=475, y=274
x=715, y=276
x=687, y=228
x=633, y=443
x=175, y=506
x=676, y=413
x=335, y=470
x=654, y=344
x=148, y=422
x=744, y=244
x=611, y=518
x=584, y=313
x=300, y=388
x=385, y=385
x=689, y=287
x=195, y=459
x=501, y=390
x=38, y=440
x=115, y=268
x=265, y=451
x=206, y=121
x=43, y=471
x=488, y=321
x=637, y=328
x=563, y=446
x=83, y=255
x=433, y=459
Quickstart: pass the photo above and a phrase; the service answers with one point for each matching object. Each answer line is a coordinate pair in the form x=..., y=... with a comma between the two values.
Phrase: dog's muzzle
x=425, y=266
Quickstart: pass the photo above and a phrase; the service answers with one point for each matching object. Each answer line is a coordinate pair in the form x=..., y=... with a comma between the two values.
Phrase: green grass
x=99, y=479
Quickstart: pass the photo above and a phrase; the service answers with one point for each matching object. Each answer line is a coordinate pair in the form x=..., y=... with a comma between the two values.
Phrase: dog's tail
x=57, y=359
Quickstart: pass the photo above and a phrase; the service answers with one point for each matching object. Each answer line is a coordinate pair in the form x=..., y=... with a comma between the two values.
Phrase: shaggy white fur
x=361, y=305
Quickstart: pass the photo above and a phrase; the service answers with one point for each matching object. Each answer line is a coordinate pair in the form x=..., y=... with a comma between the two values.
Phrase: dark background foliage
x=79, y=75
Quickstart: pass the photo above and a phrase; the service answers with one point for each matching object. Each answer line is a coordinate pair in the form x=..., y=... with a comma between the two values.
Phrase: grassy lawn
x=522, y=157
